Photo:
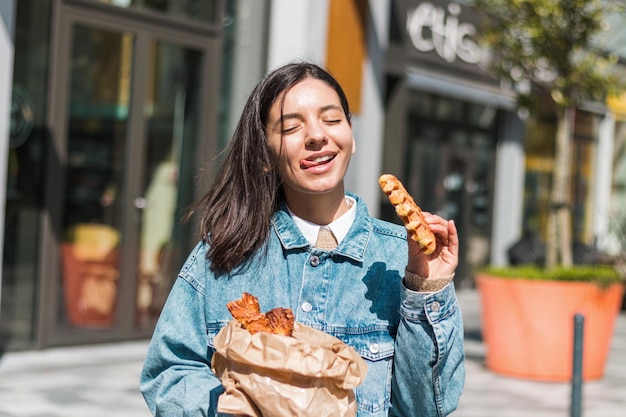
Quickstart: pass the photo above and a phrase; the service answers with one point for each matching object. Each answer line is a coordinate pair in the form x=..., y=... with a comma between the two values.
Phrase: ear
x=353, y=145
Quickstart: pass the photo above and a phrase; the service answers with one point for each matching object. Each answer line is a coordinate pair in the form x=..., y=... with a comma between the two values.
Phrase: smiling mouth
x=320, y=160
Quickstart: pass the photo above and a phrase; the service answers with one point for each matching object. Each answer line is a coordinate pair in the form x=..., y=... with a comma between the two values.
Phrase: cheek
x=288, y=153
x=277, y=147
x=283, y=160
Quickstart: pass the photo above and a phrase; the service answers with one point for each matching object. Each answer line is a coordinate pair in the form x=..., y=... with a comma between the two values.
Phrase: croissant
x=247, y=311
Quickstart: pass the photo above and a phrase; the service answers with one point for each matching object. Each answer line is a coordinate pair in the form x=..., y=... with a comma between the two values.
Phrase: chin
x=327, y=188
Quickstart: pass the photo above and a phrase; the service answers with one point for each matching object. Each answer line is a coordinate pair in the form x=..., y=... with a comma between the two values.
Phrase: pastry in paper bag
x=310, y=374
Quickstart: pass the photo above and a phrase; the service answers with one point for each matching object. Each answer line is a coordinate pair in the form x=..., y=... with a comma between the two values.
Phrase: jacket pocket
x=377, y=348
x=212, y=330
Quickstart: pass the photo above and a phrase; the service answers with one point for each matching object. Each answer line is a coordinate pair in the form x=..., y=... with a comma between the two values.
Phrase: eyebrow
x=330, y=107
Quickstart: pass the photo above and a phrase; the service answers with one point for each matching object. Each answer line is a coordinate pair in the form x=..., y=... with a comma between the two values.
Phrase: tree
x=546, y=50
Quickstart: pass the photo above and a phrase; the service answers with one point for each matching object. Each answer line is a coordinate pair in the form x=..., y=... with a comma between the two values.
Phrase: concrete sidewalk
x=102, y=380
x=83, y=381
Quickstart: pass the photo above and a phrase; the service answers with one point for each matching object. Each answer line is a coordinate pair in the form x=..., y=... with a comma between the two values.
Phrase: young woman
x=281, y=183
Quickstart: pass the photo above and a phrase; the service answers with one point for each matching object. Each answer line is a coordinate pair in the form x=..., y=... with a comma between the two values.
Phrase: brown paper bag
x=310, y=374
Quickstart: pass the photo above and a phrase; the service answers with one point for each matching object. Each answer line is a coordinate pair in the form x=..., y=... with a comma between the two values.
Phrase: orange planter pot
x=528, y=326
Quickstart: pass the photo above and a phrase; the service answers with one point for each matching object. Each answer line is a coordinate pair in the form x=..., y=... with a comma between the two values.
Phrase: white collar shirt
x=339, y=227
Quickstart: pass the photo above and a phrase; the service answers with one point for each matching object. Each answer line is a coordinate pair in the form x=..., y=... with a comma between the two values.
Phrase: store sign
x=444, y=31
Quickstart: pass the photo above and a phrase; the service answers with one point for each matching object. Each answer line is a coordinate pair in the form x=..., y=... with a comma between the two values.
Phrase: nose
x=316, y=133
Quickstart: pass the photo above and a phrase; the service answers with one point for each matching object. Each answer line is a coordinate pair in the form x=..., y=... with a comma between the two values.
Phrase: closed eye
x=288, y=130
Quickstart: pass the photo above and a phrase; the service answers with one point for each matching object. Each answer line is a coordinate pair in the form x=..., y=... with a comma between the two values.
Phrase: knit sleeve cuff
x=416, y=283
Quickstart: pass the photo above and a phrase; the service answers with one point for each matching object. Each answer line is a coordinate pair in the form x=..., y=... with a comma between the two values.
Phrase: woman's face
x=313, y=140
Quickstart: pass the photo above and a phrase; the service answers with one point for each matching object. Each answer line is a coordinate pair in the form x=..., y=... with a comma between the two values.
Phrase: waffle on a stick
x=409, y=212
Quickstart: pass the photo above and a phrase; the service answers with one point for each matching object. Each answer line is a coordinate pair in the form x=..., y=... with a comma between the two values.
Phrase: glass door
x=171, y=114
x=128, y=131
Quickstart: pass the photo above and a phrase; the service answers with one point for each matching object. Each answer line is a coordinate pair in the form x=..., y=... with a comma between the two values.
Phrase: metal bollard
x=577, y=370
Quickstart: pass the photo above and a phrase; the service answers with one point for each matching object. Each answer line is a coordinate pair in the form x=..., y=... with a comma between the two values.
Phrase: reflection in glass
x=94, y=171
x=201, y=10
x=449, y=168
x=539, y=148
x=616, y=242
x=25, y=155
x=171, y=114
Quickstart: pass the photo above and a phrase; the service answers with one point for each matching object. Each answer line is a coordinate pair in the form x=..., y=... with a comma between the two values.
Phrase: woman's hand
x=444, y=260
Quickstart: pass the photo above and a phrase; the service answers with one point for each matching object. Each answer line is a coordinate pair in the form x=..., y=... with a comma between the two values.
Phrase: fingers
x=444, y=260
x=438, y=225
x=453, y=238
x=445, y=230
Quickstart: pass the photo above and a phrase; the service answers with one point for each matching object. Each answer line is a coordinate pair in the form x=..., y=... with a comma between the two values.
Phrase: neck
x=320, y=209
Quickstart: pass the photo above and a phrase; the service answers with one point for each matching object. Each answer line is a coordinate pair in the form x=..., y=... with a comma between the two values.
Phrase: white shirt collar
x=339, y=227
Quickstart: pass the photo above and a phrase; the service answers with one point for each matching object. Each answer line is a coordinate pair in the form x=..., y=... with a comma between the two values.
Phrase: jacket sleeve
x=429, y=371
x=176, y=379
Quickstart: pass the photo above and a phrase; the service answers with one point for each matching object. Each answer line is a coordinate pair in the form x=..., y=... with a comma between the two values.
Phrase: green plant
x=603, y=275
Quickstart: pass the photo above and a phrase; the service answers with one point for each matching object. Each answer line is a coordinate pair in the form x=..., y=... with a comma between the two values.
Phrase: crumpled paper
x=311, y=374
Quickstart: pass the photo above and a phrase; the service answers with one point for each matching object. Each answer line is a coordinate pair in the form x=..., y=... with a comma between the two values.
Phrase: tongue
x=308, y=164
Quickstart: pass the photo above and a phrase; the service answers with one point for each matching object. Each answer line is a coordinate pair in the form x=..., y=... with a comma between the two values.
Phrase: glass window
x=26, y=157
x=201, y=10
x=482, y=116
x=540, y=140
x=448, y=109
x=94, y=176
x=449, y=168
x=172, y=135
x=583, y=158
x=617, y=221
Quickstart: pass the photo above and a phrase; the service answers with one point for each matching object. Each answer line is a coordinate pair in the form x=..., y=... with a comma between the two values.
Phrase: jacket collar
x=352, y=246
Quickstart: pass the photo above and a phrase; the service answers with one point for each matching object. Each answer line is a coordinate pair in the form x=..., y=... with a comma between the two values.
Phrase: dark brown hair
x=238, y=209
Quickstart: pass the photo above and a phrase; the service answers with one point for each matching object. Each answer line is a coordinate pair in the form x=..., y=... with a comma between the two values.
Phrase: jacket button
x=435, y=306
x=315, y=260
x=306, y=307
x=374, y=348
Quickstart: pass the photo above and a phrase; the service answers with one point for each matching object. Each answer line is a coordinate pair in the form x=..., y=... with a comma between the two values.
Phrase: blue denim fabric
x=412, y=342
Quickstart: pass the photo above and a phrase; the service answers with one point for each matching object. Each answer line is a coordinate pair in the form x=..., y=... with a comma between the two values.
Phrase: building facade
x=113, y=110
x=452, y=132
x=117, y=106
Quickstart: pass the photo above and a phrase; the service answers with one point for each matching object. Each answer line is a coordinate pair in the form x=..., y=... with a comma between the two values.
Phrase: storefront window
x=539, y=146
x=229, y=48
x=26, y=154
x=449, y=166
x=204, y=11
x=583, y=158
x=617, y=221
x=94, y=175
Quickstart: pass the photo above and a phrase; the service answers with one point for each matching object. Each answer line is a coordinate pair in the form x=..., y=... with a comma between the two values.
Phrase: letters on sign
x=432, y=28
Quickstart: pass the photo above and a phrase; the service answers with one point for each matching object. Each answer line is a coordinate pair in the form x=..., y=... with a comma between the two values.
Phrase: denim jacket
x=412, y=342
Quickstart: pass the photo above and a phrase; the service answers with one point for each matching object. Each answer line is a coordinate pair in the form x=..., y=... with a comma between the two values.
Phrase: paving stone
x=102, y=381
